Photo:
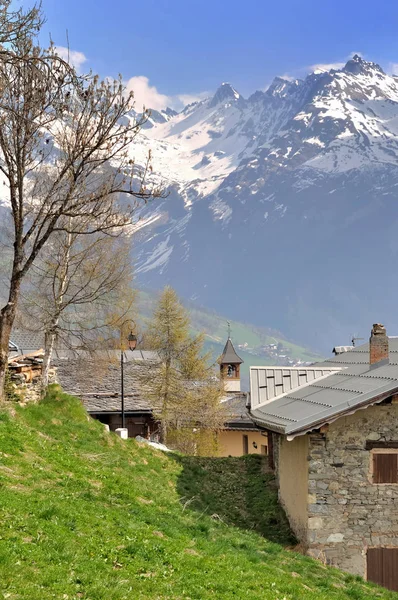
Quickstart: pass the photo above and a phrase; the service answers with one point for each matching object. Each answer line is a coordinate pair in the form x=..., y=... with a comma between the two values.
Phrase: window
x=264, y=450
x=231, y=371
x=384, y=466
x=245, y=444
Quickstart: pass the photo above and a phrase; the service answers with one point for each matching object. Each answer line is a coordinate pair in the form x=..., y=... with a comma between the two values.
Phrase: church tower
x=230, y=363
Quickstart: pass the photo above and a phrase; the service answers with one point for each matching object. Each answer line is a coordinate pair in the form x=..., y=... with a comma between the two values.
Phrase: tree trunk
x=48, y=353
x=7, y=317
x=51, y=332
x=164, y=423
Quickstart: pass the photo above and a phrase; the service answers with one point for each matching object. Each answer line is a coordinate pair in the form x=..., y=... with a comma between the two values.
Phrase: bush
x=10, y=389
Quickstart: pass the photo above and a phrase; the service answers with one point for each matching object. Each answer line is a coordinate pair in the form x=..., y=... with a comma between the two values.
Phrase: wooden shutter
x=375, y=565
x=382, y=567
x=385, y=468
x=390, y=568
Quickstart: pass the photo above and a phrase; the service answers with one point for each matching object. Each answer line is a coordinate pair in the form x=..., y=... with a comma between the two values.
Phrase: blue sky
x=184, y=48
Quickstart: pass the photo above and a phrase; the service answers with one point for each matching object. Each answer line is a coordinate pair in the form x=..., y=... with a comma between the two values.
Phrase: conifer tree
x=184, y=389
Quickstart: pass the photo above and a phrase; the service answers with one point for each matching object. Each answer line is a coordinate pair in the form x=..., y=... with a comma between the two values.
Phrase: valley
x=282, y=205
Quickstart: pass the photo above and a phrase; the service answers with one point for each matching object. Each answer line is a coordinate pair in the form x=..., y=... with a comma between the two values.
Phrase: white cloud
x=303, y=71
x=148, y=95
x=287, y=77
x=190, y=98
x=73, y=57
x=392, y=68
x=325, y=66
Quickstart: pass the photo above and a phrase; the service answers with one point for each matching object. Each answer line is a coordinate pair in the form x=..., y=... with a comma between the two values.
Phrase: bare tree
x=64, y=155
x=75, y=290
x=16, y=23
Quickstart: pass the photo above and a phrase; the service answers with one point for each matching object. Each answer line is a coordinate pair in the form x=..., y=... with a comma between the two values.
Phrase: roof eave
x=333, y=416
x=293, y=430
x=144, y=411
x=268, y=424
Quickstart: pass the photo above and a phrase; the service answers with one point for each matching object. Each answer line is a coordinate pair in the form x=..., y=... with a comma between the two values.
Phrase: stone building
x=96, y=380
x=335, y=448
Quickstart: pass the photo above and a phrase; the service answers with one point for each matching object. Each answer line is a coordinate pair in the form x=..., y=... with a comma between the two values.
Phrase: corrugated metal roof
x=268, y=383
x=356, y=385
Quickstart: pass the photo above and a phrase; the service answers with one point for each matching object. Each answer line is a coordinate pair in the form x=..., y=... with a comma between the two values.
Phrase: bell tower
x=230, y=363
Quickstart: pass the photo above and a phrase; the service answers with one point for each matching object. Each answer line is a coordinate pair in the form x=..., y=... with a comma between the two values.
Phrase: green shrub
x=10, y=389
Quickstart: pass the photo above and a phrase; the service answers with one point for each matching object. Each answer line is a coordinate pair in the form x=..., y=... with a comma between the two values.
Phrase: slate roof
x=26, y=342
x=356, y=385
x=99, y=384
x=239, y=417
x=229, y=355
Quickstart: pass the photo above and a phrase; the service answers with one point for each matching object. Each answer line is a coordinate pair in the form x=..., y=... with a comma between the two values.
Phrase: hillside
x=86, y=515
x=257, y=346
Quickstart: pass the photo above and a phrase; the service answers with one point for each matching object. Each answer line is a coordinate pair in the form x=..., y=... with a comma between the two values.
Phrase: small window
x=245, y=444
x=264, y=450
x=231, y=372
x=385, y=466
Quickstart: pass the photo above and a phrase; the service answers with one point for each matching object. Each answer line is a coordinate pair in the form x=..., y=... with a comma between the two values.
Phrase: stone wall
x=347, y=512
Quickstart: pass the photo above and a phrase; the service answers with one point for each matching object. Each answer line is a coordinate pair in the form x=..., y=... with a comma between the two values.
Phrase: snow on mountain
x=293, y=180
x=332, y=121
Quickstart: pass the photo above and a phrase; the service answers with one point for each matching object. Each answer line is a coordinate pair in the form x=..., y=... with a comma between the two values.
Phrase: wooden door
x=382, y=567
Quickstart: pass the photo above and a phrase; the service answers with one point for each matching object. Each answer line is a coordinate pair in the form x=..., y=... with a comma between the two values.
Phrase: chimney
x=378, y=344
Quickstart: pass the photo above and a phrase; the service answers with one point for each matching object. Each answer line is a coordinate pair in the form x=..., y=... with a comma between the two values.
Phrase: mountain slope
x=257, y=346
x=282, y=206
x=87, y=515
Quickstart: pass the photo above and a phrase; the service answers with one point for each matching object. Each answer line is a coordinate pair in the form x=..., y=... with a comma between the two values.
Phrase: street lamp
x=132, y=342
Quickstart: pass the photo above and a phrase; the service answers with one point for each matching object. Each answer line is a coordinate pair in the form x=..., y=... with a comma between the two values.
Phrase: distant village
x=279, y=354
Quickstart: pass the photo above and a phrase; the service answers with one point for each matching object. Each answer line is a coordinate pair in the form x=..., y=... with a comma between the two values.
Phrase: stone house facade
x=335, y=446
x=333, y=505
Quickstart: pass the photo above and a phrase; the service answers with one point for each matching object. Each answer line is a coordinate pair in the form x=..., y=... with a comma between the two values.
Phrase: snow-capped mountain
x=283, y=206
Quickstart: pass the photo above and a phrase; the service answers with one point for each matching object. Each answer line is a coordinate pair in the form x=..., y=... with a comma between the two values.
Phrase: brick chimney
x=378, y=344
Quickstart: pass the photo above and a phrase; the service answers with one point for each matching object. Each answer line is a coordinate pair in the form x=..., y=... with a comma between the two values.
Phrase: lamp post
x=132, y=343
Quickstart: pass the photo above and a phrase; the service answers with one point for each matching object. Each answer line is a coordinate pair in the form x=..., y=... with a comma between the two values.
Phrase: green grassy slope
x=215, y=328
x=84, y=514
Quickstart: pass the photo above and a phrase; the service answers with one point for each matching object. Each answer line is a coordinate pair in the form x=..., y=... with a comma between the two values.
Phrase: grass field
x=84, y=514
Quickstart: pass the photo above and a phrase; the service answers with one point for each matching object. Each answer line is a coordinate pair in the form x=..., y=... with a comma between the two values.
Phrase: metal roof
x=229, y=355
x=268, y=383
x=354, y=385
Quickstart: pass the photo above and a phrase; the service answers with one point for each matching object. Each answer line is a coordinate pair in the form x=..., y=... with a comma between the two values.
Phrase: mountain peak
x=225, y=93
x=282, y=86
x=357, y=65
